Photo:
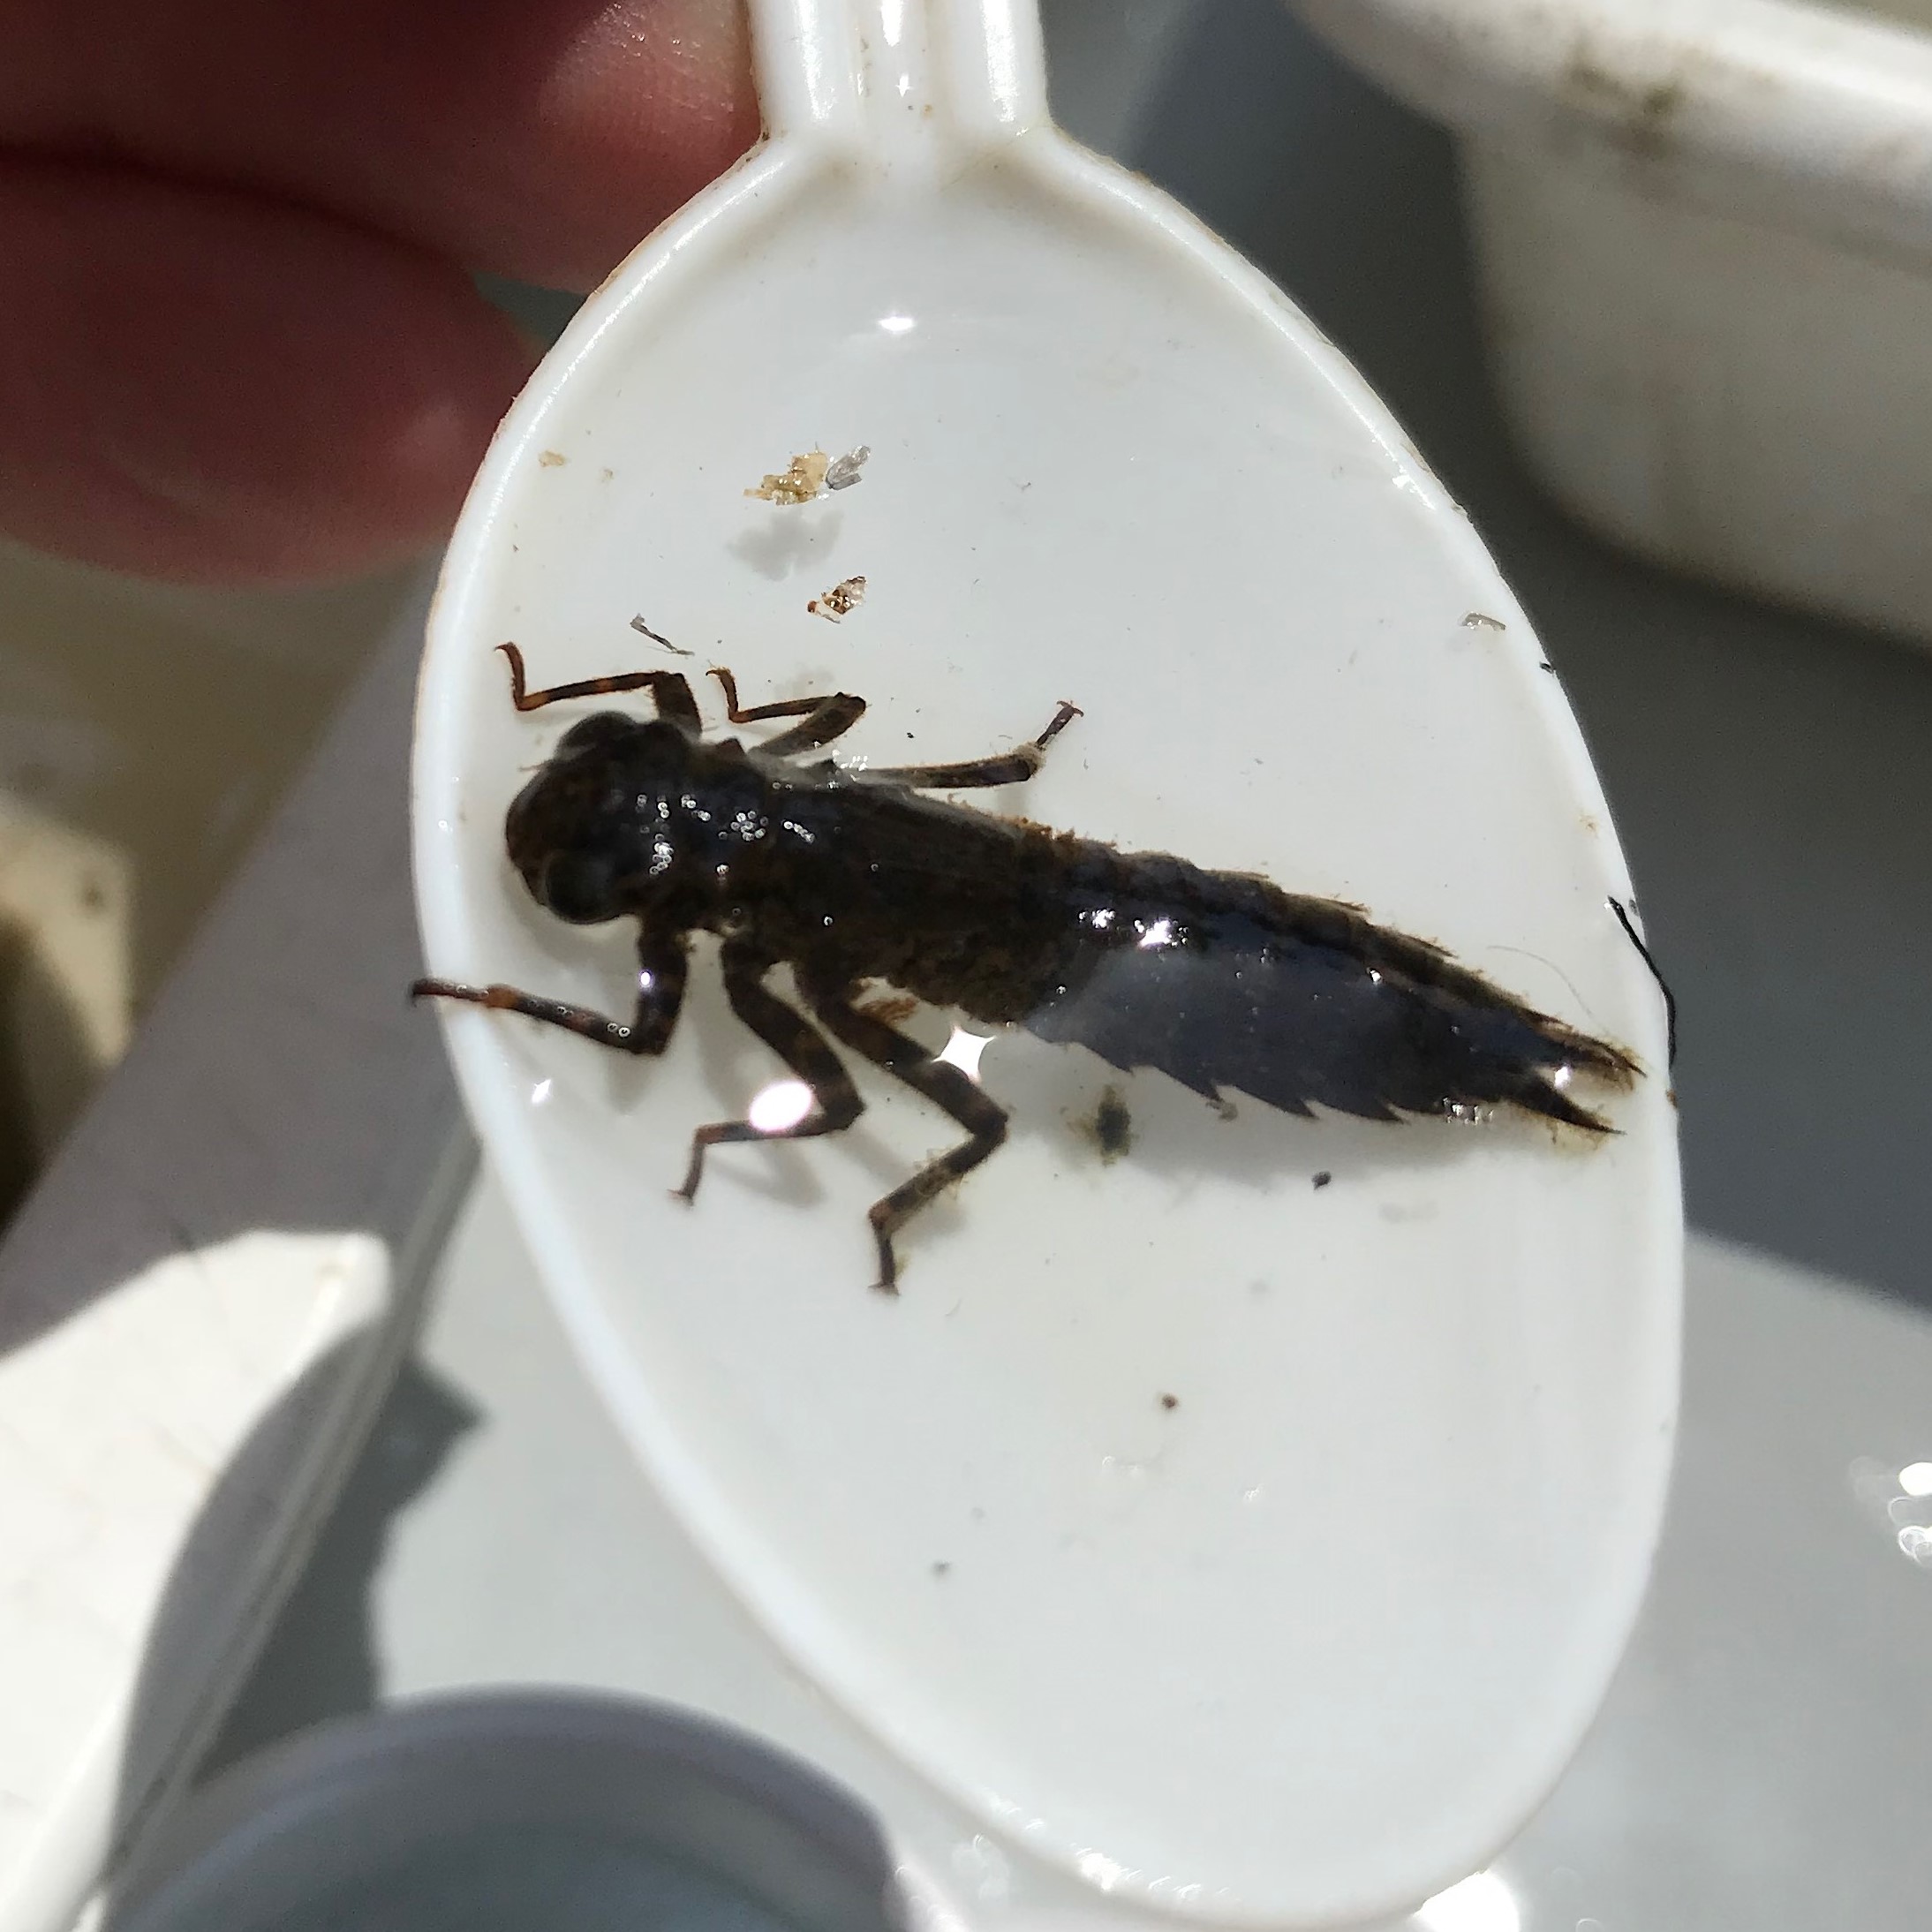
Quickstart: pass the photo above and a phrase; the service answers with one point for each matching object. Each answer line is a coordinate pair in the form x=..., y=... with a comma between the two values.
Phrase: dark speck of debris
x=1170, y=1401
x=1547, y=666
x=1111, y=1126
x=1481, y=620
x=1225, y=1107
x=942, y=1569
x=1323, y=1178
x=1640, y=115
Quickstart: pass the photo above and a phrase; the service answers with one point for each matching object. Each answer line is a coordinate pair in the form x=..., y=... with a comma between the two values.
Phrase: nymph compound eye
x=580, y=888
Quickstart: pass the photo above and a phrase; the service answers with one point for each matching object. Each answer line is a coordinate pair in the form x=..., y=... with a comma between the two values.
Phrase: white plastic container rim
x=1797, y=116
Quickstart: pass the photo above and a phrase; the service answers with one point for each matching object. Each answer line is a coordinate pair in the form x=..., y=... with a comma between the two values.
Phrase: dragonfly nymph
x=853, y=878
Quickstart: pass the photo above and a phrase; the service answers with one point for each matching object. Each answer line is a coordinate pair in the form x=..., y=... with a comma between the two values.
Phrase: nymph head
x=588, y=833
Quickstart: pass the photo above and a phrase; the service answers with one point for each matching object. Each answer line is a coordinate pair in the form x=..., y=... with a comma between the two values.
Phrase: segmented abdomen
x=1228, y=985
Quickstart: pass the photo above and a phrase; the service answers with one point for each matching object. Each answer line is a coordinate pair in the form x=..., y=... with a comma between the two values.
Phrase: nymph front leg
x=654, y=1019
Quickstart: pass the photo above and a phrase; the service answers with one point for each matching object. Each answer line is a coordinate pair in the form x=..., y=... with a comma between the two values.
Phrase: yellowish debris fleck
x=843, y=598
x=799, y=483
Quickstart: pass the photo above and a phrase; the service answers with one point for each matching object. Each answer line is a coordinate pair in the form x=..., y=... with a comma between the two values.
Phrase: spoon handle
x=894, y=79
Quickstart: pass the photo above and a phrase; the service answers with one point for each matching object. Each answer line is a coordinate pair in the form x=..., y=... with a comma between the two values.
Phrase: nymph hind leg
x=1013, y=767
x=660, y=995
x=825, y=718
x=835, y=1102
x=942, y=1083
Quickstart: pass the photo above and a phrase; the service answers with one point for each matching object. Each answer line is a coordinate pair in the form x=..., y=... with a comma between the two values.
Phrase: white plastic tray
x=1704, y=234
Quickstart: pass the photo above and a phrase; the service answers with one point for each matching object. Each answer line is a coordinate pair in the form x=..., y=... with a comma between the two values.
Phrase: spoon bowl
x=1253, y=1546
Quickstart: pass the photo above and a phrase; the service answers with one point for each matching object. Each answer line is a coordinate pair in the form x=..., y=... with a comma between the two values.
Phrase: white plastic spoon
x=1307, y=1641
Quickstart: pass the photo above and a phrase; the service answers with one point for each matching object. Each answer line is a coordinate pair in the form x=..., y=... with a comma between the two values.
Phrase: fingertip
x=645, y=107
x=202, y=386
